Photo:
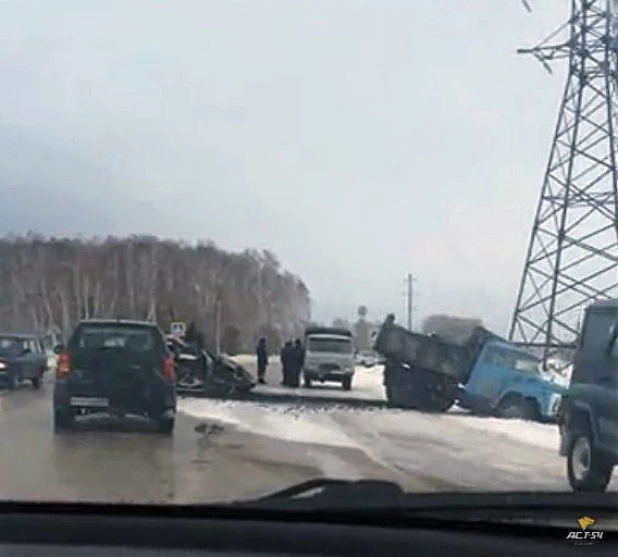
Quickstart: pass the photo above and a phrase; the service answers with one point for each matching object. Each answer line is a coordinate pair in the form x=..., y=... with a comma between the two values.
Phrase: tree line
x=453, y=328
x=232, y=298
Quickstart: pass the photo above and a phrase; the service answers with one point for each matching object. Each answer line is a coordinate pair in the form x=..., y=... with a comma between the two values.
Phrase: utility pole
x=218, y=303
x=410, y=299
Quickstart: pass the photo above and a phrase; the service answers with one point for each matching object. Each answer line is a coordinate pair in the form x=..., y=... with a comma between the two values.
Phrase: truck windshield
x=531, y=365
x=329, y=345
x=513, y=359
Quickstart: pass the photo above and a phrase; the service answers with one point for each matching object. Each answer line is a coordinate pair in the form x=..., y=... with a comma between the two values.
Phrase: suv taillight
x=168, y=369
x=63, y=366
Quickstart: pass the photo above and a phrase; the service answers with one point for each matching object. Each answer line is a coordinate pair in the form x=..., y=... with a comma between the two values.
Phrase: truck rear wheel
x=433, y=392
x=399, y=391
x=587, y=469
x=416, y=389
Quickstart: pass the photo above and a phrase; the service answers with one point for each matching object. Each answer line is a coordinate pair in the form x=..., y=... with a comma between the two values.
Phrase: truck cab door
x=488, y=378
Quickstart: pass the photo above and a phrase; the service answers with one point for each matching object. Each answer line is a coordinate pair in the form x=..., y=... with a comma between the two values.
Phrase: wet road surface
x=107, y=460
x=243, y=450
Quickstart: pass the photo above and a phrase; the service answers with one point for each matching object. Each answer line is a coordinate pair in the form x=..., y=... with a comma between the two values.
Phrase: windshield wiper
x=380, y=497
x=332, y=490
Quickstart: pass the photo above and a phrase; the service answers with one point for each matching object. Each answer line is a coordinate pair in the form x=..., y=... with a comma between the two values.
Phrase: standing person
x=262, y=360
x=287, y=357
x=299, y=360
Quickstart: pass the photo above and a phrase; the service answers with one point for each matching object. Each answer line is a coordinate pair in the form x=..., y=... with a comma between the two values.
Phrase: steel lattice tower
x=572, y=256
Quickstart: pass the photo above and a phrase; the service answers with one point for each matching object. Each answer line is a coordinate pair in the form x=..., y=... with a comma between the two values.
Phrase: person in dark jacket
x=262, y=360
x=287, y=363
x=298, y=361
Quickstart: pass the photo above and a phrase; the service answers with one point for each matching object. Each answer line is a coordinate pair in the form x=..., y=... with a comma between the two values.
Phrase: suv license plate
x=89, y=401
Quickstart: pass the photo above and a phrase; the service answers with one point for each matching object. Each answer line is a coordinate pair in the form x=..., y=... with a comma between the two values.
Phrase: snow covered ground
x=466, y=451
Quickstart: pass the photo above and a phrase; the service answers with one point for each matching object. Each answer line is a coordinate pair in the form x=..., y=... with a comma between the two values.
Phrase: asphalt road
x=454, y=451
x=224, y=450
x=107, y=460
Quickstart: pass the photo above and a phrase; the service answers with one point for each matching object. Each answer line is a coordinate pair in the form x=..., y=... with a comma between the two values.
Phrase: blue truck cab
x=506, y=381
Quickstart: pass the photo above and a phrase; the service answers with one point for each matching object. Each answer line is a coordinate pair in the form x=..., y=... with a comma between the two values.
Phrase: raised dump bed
x=428, y=352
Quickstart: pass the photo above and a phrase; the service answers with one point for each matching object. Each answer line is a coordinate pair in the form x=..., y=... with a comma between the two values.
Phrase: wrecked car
x=201, y=372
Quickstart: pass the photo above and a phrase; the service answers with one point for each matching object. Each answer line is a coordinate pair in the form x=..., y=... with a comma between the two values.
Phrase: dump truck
x=486, y=374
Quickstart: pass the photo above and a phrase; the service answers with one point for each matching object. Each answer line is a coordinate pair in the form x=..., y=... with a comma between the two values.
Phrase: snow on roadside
x=341, y=427
x=368, y=384
x=247, y=358
x=285, y=421
x=530, y=433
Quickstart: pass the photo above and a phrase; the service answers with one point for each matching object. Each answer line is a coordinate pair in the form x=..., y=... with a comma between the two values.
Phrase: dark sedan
x=22, y=357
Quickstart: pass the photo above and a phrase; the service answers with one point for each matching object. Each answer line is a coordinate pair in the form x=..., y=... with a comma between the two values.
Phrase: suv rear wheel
x=587, y=469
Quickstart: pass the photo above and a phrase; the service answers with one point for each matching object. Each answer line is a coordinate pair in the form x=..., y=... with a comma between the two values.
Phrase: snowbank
x=297, y=422
x=248, y=358
x=285, y=421
x=530, y=433
x=339, y=426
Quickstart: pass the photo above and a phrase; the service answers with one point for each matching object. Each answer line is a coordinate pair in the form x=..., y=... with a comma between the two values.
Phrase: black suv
x=588, y=416
x=115, y=367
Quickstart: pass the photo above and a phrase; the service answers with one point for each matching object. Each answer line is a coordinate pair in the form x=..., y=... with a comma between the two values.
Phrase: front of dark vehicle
x=588, y=414
x=13, y=361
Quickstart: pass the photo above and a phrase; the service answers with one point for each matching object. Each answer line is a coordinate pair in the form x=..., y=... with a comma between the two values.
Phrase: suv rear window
x=135, y=338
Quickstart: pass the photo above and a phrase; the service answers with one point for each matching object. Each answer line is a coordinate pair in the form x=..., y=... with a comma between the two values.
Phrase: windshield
x=329, y=345
x=530, y=365
x=513, y=359
x=341, y=208
x=10, y=346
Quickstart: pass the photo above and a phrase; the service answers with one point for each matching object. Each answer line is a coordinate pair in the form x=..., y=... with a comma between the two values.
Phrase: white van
x=329, y=356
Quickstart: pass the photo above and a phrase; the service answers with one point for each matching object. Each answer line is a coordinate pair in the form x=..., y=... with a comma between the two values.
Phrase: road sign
x=178, y=329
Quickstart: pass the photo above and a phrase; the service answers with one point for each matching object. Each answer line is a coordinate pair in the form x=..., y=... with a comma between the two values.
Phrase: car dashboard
x=155, y=532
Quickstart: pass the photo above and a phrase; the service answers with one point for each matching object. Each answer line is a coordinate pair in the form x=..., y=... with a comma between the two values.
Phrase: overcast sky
x=358, y=140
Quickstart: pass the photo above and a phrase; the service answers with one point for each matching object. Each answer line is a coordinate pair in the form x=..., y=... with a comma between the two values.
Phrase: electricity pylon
x=572, y=255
